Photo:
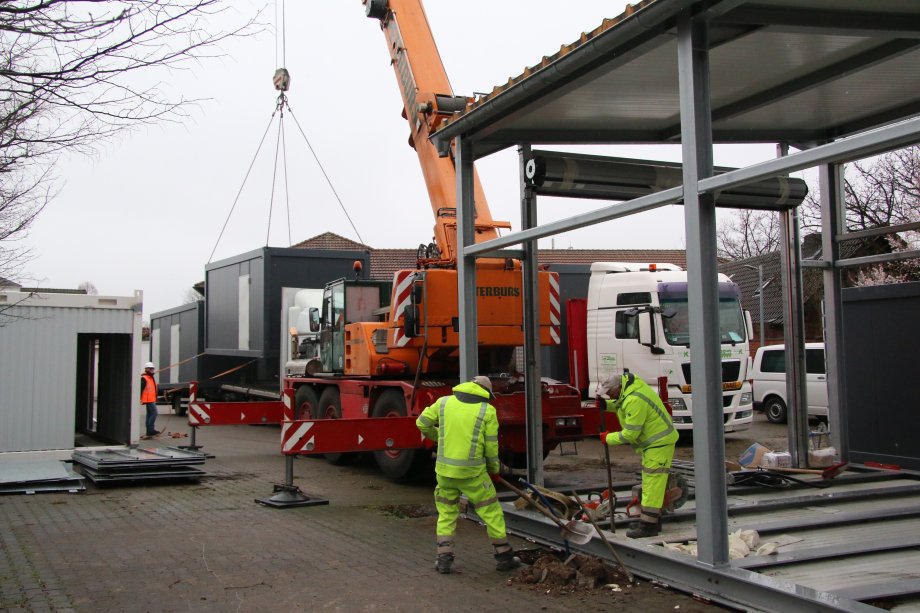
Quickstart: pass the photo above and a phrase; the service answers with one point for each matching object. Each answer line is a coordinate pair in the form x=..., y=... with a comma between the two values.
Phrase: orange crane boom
x=427, y=101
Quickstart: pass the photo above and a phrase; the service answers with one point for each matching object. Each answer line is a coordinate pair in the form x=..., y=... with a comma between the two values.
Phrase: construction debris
x=741, y=544
x=575, y=573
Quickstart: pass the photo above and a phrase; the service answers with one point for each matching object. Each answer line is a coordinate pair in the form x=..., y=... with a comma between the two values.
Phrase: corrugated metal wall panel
x=38, y=357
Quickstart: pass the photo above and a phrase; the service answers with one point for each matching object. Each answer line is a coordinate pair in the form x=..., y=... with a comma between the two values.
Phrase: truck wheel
x=177, y=407
x=775, y=410
x=306, y=404
x=403, y=464
x=330, y=407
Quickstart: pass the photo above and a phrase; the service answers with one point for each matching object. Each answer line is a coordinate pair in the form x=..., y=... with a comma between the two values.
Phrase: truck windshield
x=676, y=319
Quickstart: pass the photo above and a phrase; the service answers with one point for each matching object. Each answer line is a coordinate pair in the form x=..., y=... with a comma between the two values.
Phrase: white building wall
x=38, y=362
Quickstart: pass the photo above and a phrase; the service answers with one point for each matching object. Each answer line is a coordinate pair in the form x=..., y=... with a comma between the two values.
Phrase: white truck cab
x=638, y=319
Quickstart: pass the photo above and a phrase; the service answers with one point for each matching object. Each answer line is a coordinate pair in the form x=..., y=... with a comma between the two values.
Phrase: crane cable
x=239, y=193
x=282, y=83
x=328, y=180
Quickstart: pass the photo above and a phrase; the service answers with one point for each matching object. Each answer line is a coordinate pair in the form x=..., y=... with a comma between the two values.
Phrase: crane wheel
x=306, y=403
x=330, y=407
x=407, y=465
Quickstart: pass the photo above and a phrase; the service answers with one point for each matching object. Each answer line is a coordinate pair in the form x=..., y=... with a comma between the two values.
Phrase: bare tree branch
x=73, y=72
x=747, y=233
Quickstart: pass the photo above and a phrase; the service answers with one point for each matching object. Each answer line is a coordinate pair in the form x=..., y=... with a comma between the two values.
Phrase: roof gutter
x=650, y=17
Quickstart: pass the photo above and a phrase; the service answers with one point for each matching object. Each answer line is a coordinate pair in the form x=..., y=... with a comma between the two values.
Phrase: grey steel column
x=466, y=265
x=794, y=336
x=532, y=389
x=706, y=360
x=830, y=178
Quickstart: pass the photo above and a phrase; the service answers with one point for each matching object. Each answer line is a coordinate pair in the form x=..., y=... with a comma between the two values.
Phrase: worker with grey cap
x=647, y=426
x=465, y=427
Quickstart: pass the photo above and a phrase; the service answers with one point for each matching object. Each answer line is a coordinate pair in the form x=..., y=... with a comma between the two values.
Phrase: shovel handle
x=539, y=507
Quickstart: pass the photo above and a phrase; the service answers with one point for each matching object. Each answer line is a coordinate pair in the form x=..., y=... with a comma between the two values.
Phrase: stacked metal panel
x=139, y=464
x=38, y=476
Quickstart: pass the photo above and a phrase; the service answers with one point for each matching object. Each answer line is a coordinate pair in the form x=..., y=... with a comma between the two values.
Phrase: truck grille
x=730, y=371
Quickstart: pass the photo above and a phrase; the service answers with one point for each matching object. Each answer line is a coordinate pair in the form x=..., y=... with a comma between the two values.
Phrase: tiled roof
x=812, y=279
x=747, y=280
x=385, y=262
x=332, y=241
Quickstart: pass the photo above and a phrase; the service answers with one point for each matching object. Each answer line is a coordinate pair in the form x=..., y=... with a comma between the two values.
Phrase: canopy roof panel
x=780, y=71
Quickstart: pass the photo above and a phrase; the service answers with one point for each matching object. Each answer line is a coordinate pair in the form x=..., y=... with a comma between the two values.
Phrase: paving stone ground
x=208, y=546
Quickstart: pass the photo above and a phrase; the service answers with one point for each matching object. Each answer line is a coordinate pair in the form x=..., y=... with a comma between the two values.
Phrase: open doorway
x=103, y=399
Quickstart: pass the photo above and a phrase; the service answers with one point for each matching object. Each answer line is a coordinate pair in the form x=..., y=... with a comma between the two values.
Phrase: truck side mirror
x=647, y=334
x=314, y=319
x=749, y=324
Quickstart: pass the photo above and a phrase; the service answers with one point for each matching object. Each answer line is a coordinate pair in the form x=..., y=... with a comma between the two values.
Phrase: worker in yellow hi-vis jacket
x=465, y=427
x=647, y=426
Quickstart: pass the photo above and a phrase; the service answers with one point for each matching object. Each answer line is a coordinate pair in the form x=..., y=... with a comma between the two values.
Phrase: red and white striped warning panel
x=234, y=413
x=344, y=435
x=555, y=319
x=402, y=292
x=287, y=400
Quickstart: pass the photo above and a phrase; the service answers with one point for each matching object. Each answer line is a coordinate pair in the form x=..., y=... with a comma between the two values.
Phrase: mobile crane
x=386, y=350
x=389, y=349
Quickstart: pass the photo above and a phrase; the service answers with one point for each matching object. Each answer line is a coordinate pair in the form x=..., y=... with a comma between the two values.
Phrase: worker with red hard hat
x=647, y=426
x=465, y=427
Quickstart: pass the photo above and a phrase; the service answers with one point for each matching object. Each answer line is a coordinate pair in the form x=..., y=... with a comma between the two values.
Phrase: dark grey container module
x=243, y=301
x=190, y=319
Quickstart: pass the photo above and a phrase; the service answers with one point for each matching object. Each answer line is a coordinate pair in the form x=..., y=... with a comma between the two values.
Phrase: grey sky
x=145, y=212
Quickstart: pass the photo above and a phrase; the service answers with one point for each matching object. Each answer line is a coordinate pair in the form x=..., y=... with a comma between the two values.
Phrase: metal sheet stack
x=139, y=464
x=36, y=476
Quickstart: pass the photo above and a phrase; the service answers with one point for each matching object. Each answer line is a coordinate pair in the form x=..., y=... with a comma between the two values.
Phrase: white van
x=768, y=377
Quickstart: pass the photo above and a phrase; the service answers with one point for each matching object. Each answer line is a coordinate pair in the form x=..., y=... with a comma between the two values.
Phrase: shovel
x=574, y=531
x=613, y=552
x=611, y=495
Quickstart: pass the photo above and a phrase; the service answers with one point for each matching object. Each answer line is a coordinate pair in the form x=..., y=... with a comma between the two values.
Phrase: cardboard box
x=759, y=456
x=753, y=455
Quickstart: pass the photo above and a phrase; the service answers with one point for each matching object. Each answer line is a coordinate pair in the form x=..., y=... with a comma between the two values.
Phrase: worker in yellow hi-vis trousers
x=465, y=427
x=647, y=426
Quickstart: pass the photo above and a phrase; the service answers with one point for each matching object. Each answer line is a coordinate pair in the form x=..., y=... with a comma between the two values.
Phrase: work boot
x=445, y=561
x=506, y=560
x=643, y=529
x=445, y=555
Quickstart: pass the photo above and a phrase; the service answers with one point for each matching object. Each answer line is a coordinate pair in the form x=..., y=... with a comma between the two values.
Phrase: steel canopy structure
x=837, y=79
x=796, y=71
